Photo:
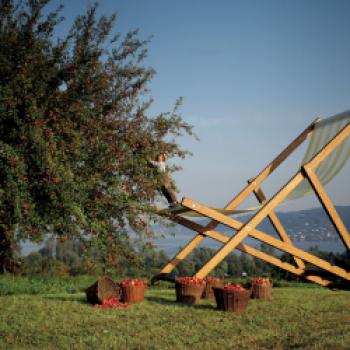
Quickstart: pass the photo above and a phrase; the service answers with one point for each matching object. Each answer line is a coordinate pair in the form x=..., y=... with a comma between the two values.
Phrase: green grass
x=295, y=318
x=10, y=285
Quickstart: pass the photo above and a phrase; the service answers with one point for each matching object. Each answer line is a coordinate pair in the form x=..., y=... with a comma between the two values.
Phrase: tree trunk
x=7, y=259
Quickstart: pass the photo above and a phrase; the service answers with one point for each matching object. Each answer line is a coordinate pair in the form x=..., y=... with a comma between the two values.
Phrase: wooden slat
x=272, y=166
x=237, y=200
x=244, y=193
x=248, y=229
x=275, y=222
x=242, y=247
x=182, y=254
x=243, y=231
x=328, y=206
x=267, y=210
x=300, y=253
x=281, y=264
x=318, y=280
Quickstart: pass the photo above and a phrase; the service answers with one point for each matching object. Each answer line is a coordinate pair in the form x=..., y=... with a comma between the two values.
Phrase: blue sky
x=253, y=75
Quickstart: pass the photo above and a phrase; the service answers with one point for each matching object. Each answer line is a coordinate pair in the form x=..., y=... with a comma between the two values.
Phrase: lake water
x=172, y=245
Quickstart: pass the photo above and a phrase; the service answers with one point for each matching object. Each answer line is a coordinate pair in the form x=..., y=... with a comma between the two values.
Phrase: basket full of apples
x=189, y=289
x=232, y=297
x=261, y=288
x=133, y=290
x=210, y=283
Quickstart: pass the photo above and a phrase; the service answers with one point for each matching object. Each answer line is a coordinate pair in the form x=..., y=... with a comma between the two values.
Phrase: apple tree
x=75, y=130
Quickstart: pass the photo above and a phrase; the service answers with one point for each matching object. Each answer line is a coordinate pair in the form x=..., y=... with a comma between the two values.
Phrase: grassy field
x=295, y=318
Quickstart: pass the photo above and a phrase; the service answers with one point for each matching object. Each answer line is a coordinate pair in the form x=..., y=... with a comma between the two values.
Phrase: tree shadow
x=165, y=301
x=67, y=298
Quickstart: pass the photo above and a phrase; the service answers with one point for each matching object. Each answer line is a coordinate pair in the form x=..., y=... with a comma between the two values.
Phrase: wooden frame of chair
x=267, y=210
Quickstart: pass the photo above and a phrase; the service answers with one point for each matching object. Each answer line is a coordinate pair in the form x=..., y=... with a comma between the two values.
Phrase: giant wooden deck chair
x=326, y=155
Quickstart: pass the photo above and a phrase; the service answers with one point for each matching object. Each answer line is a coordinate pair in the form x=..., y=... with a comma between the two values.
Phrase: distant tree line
x=70, y=258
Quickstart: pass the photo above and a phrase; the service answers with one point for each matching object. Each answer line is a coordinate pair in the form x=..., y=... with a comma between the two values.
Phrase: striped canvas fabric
x=324, y=132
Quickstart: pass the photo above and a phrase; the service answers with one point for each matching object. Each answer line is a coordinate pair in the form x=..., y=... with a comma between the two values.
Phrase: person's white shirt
x=161, y=166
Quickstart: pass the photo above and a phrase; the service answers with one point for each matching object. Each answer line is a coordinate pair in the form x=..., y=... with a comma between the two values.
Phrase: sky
x=253, y=75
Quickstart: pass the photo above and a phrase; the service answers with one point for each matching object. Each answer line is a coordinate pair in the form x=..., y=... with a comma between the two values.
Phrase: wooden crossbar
x=269, y=169
x=251, y=186
x=243, y=230
x=277, y=225
x=202, y=233
x=267, y=210
x=249, y=228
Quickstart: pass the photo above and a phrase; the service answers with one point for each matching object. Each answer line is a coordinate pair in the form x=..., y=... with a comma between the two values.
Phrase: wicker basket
x=232, y=300
x=101, y=290
x=208, y=292
x=261, y=291
x=133, y=294
x=188, y=293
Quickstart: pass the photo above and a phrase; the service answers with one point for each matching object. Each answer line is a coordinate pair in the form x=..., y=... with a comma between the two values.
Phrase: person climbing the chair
x=167, y=188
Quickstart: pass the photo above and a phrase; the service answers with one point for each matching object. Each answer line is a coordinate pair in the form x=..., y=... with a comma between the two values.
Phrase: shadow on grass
x=165, y=301
x=66, y=298
x=155, y=299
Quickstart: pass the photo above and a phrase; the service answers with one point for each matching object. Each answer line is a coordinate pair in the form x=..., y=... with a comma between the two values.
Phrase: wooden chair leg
x=275, y=222
x=328, y=206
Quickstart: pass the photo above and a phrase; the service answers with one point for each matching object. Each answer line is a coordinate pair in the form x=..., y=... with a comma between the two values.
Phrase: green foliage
x=72, y=258
x=75, y=136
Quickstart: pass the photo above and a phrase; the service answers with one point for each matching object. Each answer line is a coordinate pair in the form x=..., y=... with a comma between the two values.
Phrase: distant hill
x=311, y=225
x=303, y=225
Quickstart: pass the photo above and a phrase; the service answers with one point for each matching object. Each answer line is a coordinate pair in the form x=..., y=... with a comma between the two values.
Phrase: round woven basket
x=261, y=291
x=232, y=300
x=188, y=293
x=133, y=294
x=208, y=292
